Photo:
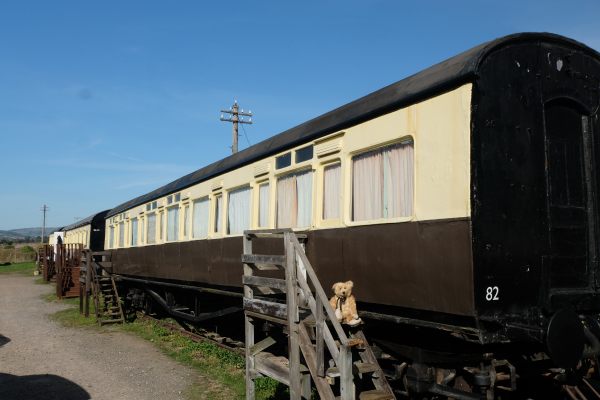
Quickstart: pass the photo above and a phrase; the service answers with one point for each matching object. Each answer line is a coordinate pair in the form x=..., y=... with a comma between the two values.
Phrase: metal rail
x=223, y=342
x=180, y=286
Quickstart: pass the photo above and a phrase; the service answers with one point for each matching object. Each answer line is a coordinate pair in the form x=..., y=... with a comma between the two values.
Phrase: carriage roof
x=85, y=221
x=430, y=82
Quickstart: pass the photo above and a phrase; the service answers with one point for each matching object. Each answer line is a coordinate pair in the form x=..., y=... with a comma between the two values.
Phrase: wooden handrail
x=319, y=291
x=312, y=304
x=342, y=356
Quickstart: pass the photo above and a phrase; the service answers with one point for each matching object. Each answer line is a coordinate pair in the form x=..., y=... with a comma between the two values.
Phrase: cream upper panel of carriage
x=409, y=165
x=78, y=235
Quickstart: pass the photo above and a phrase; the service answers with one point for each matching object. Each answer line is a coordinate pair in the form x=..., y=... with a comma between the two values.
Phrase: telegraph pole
x=237, y=117
x=44, y=210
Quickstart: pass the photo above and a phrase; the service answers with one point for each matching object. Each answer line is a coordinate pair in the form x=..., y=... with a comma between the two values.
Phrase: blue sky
x=103, y=101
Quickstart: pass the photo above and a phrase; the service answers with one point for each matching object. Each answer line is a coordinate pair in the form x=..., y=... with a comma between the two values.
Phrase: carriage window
x=134, y=231
x=169, y=199
x=142, y=230
x=331, y=191
x=304, y=154
x=111, y=237
x=200, y=223
x=283, y=161
x=238, y=211
x=294, y=200
x=186, y=211
x=151, y=233
x=263, y=205
x=161, y=226
x=177, y=197
x=218, y=208
x=121, y=234
x=173, y=223
x=382, y=183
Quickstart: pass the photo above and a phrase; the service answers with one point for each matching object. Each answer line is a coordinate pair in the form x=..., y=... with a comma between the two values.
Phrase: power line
x=246, y=136
x=237, y=117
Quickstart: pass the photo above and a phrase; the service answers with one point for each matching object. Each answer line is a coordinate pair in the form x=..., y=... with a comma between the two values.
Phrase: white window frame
x=296, y=173
x=194, y=234
x=237, y=190
x=350, y=187
x=174, y=231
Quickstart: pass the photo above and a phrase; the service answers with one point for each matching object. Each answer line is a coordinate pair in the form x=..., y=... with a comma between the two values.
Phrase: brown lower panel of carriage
x=419, y=265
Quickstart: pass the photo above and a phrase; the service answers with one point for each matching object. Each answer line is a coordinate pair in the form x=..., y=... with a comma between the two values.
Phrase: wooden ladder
x=104, y=291
x=68, y=261
x=46, y=262
x=315, y=338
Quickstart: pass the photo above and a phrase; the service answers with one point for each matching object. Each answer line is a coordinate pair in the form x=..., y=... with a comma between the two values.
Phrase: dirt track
x=41, y=360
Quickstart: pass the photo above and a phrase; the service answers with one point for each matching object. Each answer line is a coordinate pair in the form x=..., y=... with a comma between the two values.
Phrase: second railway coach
x=88, y=231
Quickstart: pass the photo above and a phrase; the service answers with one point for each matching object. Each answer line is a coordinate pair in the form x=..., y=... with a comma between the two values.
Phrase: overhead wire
x=246, y=135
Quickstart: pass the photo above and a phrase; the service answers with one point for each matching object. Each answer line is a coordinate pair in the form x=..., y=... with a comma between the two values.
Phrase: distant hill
x=24, y=233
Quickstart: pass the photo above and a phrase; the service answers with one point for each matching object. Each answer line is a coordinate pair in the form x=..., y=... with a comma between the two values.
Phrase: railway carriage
x=462, y=202
x=88, y=232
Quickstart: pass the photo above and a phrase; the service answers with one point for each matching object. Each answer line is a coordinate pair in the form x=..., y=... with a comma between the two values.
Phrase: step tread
x=358, y=368
x=110, y=321
x=264, y=260
x=375, y=395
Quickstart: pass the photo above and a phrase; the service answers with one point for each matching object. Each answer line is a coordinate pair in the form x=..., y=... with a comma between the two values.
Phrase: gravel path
x=41, y=360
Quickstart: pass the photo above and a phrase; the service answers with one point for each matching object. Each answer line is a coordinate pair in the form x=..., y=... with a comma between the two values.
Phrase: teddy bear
x=344, y=303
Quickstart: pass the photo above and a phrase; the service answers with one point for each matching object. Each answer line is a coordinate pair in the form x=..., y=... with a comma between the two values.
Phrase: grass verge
x=25, y=268
x=71, y=317
x=222, y=372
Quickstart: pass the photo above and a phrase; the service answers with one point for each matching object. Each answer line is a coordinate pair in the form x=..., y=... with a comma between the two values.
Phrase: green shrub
x=27, y=249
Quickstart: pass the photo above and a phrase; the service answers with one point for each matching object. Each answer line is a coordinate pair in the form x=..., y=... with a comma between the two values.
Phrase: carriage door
x=569, y=181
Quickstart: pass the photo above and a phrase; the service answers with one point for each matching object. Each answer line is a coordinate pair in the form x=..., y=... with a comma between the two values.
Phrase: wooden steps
x=110, y=310
x=337, y=359
x=276, y=367
x=376, y=395
x=107, y=302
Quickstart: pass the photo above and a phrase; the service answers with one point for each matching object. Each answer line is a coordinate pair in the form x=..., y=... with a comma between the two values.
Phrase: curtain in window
x=238, y=211
x=263, y=205
x=200, y=219
x=134, y=231
x=294, y=200
x=161, y=226
x=218, y=208
x=398, y=170
x=383, y=183
x=331, y=191
x=111, y=238
x=151, y=229
x=185, y=220
x=121, y=234
x=142, y=230
x=367, y=186
x=304, y=190
x=287, y=209
x=173, y=223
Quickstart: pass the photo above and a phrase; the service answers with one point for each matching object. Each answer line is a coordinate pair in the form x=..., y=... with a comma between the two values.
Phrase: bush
x=27, y=249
